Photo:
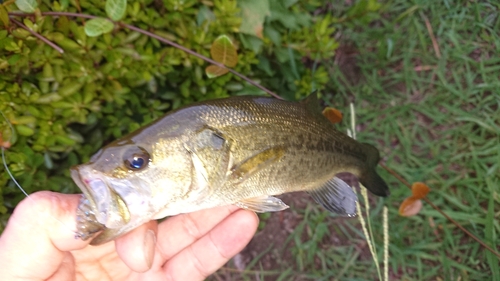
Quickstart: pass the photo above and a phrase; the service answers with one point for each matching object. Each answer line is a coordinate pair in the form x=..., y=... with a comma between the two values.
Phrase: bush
x=64, y=107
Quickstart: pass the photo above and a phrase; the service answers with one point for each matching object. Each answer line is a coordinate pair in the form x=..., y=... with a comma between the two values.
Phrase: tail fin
x=369, y=177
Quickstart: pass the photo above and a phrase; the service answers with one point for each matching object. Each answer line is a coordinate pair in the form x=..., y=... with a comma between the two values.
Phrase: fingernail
x=149, y=247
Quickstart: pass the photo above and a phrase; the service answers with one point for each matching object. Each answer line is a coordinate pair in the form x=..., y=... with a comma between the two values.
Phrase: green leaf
x=253, y=14
x=23, y=120
x=24, y=130
x=4, y=16
x=3, y=34
x=64, y=140
x=48, y=161
x=69, y=89
x=281, y=13
x=67, y=44
x=3, y=209
x=204, y=14
x=64, y=4
x=98, y=26
x=116, y=9
x=49, y=98
x=27, y=6
x=251, y=42
x=223, y=51
x=13, y=59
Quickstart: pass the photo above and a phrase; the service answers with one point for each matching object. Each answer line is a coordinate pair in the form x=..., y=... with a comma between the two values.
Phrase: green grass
x=434, y=112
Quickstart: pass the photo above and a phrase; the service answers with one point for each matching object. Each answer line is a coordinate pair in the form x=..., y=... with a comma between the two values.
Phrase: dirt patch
x=272, y=240
x=271, y=250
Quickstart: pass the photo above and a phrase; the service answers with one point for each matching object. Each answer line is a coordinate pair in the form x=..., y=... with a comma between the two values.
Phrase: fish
x=241, y=151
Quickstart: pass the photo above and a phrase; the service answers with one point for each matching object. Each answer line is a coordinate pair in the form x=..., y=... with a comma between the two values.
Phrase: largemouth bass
x=239, y=150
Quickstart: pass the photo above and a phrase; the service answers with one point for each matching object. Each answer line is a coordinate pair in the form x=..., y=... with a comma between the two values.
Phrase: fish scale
x=239, y=150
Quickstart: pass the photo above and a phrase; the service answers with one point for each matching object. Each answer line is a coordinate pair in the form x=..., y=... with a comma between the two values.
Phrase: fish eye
x=136, y=158
x=136, y=162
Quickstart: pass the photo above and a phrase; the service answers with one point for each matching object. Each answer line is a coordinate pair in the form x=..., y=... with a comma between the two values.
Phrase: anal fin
x=336, y=196
x=263, y=204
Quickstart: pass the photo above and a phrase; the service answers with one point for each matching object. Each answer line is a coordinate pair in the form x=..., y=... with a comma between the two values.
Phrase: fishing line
x=27, y=195
x=19, y=186
x=10, y=174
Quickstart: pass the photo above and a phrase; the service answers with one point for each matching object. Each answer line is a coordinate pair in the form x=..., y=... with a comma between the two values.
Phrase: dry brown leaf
x=410, y=207
x=419, y=190
x=332, y=114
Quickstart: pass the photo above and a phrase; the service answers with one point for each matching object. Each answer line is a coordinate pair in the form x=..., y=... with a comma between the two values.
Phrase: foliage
x=110, y=80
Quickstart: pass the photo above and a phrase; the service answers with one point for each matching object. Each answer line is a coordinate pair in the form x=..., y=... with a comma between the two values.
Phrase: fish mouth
x=108, y=207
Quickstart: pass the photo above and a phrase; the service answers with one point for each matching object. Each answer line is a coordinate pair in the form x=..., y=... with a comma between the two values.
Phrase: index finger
x=214, y=249
x=176, y=233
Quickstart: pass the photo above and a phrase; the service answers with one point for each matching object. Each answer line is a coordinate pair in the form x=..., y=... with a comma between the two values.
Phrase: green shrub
x=64, y=107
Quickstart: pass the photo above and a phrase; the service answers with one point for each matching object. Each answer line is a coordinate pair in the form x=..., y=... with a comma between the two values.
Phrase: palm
x=188, y=246
x=92, y=262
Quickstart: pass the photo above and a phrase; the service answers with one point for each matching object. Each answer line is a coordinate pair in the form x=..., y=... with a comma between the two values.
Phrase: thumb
x=38, y=236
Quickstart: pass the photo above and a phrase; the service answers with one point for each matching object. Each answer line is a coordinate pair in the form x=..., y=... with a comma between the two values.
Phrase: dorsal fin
x=311, y=103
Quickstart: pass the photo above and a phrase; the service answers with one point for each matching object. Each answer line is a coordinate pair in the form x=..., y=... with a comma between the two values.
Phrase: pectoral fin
x=262, y=204
x=336, y=196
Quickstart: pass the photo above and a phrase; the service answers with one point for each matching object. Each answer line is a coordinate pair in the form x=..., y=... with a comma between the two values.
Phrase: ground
x=424, y=79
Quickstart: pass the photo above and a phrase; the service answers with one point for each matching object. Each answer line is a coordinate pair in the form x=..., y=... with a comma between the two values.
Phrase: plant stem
x=367, y=231
x=39, y=36
x=159, y=38
x=386, y=243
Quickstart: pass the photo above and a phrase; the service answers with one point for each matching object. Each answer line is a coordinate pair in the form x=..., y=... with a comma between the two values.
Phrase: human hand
x=35, y=246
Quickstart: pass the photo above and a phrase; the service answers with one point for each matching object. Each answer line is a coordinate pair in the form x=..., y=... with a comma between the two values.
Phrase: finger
x=213, y=250
x=180, y=231
x=137, y=248
x=39, y=232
